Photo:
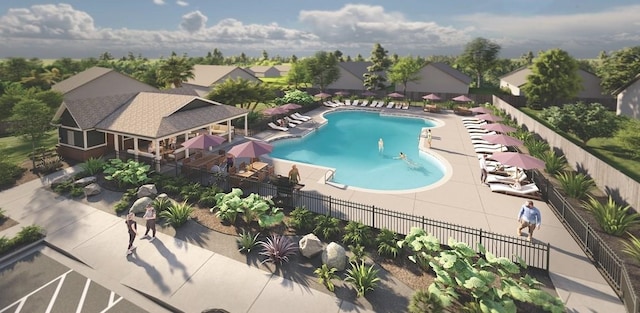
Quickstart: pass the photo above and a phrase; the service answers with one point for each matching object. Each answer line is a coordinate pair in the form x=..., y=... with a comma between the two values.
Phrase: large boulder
x=92, y=190
x=148, y=190
x=85, y=181
x=162, y=196
x=334, y=256
x=310, y=245
x=140, y=206
x=61, y=179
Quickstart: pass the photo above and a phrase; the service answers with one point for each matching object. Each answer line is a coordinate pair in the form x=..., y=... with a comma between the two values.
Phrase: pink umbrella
x=462, y=98
x=275, y=111
x=431, y=96
x=395, y=95
x=520, y=160
x=500, y=128
x=251, y=149
x=502, y=140
x=291, y=106
x=482, y=110
x=489, y=117
x=204, y=142
x=322, y=95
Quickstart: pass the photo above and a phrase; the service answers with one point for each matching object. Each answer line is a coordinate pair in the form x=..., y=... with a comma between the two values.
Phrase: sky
x=155, y=28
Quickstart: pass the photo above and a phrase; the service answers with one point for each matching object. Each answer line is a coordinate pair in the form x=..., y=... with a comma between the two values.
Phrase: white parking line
x=23, y=299
x=54, y=297
x=83, y=296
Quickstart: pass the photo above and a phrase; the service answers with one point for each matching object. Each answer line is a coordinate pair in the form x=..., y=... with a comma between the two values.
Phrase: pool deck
x=462, y=199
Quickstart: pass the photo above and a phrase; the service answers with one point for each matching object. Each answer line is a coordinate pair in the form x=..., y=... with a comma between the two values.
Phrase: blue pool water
x=349, y=143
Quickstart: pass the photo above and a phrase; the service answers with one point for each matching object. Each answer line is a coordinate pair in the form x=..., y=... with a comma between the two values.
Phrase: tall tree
x=586, y=121
x=406, y=70
x=174, y=71
x=298, y=74
x=33, y=119
x=322, y=69
x=234, y=92
x=554, y=76
x=373, y=78
x=527, y=58
x=619, y=68
x=478, y=56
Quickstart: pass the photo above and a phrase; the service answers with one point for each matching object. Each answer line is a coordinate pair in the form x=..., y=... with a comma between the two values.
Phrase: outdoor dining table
x=203, y=160
x=259, y=166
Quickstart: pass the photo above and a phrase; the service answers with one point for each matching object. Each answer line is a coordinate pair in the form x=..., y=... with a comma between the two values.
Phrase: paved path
x=190, y=278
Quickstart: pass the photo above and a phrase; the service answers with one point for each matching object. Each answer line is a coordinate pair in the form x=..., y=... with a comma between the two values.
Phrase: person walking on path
x=483, y=169
x=294, y=174
x=132, y=228
x=429, y=137
x=529, y=216
x=150, y=218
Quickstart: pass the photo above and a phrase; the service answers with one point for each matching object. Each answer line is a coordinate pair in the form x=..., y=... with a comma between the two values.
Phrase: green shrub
x=358, y=253
x=536, y=147
x=228, y=205
x=63, y=187
x=613, y=218
x=191, y=192
x=9, y=173
x=327, y=226
x=161, y=204
x=2, y=213
x=575, y=185
x=632, y=247
x=130, y=173
x=326, y=275
x=208, y=196
x=523, y=135
x=357, y=233
x=423, y=301
x=177, y=214
x=28, y=234
x=363, y=278
x=387, y=243
x=247, y=241
x=121, y=206
x=301, y=219
x=93, y=166
x=76, y=191
x=553, y=163
x=5, y=244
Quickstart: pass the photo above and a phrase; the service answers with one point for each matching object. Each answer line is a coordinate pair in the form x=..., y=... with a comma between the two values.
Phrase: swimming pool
x=349, y=143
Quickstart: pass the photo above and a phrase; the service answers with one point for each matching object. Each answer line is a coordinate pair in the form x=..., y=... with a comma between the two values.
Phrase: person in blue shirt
x=530, y=217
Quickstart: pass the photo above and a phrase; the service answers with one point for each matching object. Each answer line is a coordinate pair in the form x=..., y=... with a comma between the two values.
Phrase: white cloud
x=193, y=22
x=158, y=2
x=182, y=3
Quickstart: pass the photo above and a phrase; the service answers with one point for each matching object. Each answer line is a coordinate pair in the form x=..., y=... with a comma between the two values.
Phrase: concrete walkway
x=191, y=279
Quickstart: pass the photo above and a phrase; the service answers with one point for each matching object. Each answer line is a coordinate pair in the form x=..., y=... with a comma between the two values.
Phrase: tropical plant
x=256, y=208
x=93, y=166
x=130, y=173
x=177, y=214
x=553, y=163
x=247, y=241
x=574, y=184
x=536, y=147
x=326, y=226
x=76, y=191
x=174, y=71
x=387, y=243
x=228, y=205
x=424, y=301
x=421, y=245
x=632, y=247
x=613, y=218
x=357, y=233
x=28, y=234
x=523, y=134
x=277, y=249
x=161, y=204
x=363, y=278
x=191, y=192
x=301, y=218
x=325, y=274
x=208, y=196
x=63, y=187
x=357, y=252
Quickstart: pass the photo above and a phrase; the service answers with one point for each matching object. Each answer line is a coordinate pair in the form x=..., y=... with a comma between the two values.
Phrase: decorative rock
x=334, y=256
x=61, y=179
x=310, y=245
x=148, y=190
x=140, y=205
x=92, y=190
x=162, y=196
x=85, y=181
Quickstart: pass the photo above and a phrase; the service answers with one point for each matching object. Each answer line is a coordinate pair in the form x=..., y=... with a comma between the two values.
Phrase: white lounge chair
x=347, y=102
x=405, y=106
x=380, y=104
x=364, y=103
x=493, y=178
x=295, y=121
x=478, y=126
x=329, y=104
x=355, y=102
x=301, y=117
x=489, y=151
x=528, y=190
x=276, y=127
x=469, y=119
x=374, y=103
x=391, y=105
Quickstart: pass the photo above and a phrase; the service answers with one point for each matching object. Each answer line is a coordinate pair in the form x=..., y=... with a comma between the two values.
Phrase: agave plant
x=177, y=214
x=247, y=241
x=277, y=249
x=326, y=226
x=363, y=278
x=553, y=163
x=632, y=247
x=325, y=274
x=575, y=185
x=613, y=218
x=536, y=147
x=357, y=234
x=387, y=243
x=161, y=204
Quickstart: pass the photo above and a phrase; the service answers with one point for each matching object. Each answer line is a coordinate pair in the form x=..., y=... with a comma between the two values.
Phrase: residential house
x=439, y=78
x=351, y=76
x=283, y=69
x=590, y=83
x=206, y=76
x=628, y=98
x=126, y=116
x=264, y=71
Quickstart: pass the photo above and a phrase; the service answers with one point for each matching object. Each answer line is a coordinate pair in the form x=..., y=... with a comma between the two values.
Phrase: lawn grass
x=16, y=149
x=606, y=149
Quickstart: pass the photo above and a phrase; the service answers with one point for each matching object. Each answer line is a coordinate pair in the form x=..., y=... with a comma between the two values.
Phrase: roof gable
x=443, y=67
x=627, y=85
x=207, y=75
x=80, y=79
x=88, y=112
x=357, y=69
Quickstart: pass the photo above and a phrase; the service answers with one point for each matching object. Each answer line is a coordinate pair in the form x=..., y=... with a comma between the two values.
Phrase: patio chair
x=483, y=150
x=380, y=104
x=405, y=106
x=297, y=119
x=347, y=102
x=373, y=104
x=301, y=117
x=391, y=105
x=330, y=104
x=364, y=103
x=527, y=191
x=276, y=127
x=356, y=102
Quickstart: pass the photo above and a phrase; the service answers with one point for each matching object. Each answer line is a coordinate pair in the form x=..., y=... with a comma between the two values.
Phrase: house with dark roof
x=440, y=78
x=126, y=116
x=283, y=69
x=205, y=77
x=264, y=71
x=351, y=76
x=628, y=98
x=590, y=83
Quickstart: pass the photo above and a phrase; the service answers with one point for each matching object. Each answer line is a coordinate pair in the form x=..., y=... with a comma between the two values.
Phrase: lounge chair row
x=293, y=120
x=366, y=103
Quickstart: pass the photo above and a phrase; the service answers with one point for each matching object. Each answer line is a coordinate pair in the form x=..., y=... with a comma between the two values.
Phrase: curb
x=20, y=250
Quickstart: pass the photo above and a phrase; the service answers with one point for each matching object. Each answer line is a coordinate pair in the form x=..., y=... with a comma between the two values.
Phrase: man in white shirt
x=483, y=169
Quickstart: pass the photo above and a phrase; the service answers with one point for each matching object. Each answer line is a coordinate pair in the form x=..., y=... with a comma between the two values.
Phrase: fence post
x=373, y=216
x=481, y=235
x=330, y=203
x=548, y=256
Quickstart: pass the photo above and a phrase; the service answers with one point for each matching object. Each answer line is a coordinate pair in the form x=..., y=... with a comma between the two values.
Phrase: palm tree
x=174, y=71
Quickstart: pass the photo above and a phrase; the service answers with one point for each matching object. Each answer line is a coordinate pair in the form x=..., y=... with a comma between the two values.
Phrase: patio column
x=158, y=156
x=116, y=145
x=246, y=126
x=186, y=151
x=135, y=148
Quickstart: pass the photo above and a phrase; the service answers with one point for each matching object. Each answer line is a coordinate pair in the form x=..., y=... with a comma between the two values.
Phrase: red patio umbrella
x=462, y=98
x=251, y=149
x=500, y=128
x=395, y=95
x=322, y=95
x=481, y=110
x=275, y=111
x=204, y=142
x=431, y=96
x=520, y=160
x=489, y=117
x=291, y=106
x=503, y=140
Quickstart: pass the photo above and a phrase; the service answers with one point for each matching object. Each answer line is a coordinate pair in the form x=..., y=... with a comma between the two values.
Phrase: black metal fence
x=611, y=266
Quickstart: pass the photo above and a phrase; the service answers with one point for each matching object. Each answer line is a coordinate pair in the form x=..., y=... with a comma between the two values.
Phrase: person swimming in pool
x=380, y=145
x=401, y=156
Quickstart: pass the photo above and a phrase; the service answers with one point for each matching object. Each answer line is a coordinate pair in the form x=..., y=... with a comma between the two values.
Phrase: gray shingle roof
x=358, y=69
x=452, y=72
x=80, y=79
x=90, y=111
